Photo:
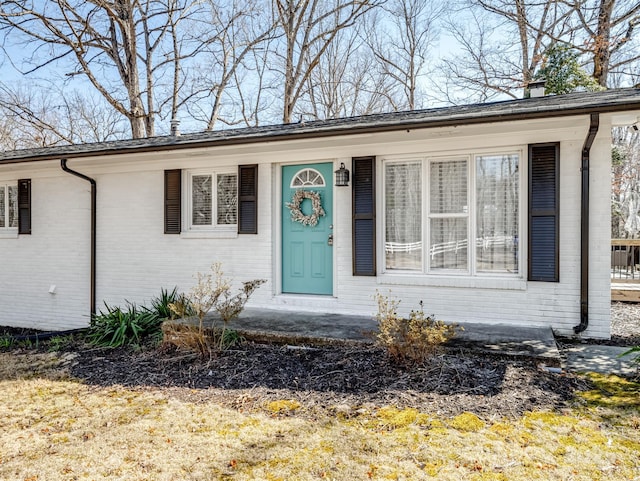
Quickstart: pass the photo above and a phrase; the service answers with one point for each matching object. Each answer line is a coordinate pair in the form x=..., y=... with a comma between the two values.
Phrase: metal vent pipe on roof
x=175, y=127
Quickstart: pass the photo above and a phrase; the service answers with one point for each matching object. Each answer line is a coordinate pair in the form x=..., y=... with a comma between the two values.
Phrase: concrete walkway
x=296, y=327
x=313, y=328
x=602, y=359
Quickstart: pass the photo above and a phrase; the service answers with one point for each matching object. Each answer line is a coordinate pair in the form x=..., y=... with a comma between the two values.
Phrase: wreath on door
x=296, y=213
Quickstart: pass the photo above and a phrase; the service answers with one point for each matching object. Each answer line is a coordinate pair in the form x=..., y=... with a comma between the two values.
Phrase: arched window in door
x=307, y=178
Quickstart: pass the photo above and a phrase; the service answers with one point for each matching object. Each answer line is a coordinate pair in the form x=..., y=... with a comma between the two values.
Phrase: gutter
x=63, y=164
x=584, y=225
x=369, y=124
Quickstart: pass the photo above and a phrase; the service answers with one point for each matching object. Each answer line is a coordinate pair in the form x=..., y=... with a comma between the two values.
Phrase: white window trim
x=482, y=281
x=471, y=278
x=214, y=230
x=8, y=232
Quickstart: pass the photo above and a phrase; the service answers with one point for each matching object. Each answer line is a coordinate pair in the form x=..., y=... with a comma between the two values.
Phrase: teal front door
x=307, y=252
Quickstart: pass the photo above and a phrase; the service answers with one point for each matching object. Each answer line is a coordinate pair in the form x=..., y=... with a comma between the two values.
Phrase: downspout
x=584, y=226
x=63, y=164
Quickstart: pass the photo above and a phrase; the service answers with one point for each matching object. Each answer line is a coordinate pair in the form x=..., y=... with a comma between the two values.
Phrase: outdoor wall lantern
x=342, y=176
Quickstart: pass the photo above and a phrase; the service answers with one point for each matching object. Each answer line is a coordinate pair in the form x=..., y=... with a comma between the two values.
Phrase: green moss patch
x=612, y=391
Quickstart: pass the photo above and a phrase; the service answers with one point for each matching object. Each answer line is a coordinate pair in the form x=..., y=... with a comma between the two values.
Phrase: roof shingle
x=550, y=106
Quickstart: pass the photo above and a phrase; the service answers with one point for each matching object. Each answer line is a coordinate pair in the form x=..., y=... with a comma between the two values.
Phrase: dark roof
x=542, y=107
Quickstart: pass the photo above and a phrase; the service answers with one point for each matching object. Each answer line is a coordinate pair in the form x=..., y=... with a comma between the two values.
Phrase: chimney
x=536, y=88
x=175, y=132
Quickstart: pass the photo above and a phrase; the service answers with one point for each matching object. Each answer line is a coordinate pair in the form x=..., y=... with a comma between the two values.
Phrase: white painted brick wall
x=135, y=258
x=135, y=251
x=56, y=253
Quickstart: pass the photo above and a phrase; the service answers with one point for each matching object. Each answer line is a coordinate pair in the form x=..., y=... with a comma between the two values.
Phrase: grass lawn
x=55, y=428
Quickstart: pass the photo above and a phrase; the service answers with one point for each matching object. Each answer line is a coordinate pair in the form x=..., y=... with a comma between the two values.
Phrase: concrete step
x=321, y=328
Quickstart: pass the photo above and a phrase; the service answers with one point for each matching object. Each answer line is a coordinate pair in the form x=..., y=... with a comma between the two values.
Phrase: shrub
x=161, y=305
x=230, y=338
x=115, y=326
x=188, y=337
x=181, y=308
x=413, y=339
x=212, y=291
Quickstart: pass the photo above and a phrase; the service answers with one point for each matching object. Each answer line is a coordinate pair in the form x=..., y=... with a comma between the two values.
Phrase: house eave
x=612, y=101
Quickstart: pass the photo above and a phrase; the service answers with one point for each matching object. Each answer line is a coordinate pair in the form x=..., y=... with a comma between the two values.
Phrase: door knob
x=330, y=240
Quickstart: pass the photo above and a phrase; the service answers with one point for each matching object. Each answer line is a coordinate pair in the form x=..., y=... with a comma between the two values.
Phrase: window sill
x=210, y=234
x=506, y=283
x=9, y=234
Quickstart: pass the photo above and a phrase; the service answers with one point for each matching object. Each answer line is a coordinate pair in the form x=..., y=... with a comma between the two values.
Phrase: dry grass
x=59, y=429
x=186, y=337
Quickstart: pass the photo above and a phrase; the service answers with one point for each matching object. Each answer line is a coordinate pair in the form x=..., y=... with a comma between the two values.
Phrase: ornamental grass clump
x=212, y=292
x=413, y=339
x=117, y=326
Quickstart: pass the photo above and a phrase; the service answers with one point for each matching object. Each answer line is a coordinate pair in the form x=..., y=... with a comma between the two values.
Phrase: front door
x=307, y=228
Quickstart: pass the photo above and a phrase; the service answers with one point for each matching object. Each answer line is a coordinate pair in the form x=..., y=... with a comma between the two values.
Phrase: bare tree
x=400, y=36
x=258, y=100
x=119, y=46
x=510, y=38
x=625, y=179
x=308, y=28
x=347, y=81
x=34, y=121
x=502, y=44
x=606, y=32
x=42, y=117
x=234, y=42
x=9, y=135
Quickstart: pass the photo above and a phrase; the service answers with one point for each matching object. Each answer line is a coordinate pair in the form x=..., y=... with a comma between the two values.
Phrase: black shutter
x=544, y=242
x=24, y=206
x=364, y=216
x=247, y=199
x=172, y=201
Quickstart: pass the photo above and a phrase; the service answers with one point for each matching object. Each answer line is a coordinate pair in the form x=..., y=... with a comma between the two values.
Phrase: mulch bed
x=17, y=331
x=342, y=379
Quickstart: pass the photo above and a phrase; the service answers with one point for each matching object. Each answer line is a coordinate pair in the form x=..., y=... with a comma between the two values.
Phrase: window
x=211, y=205
x=435, y=207
x=307, y=178
x=497, y=213
x=9, y=206
x=213, y=200
x=403, y=215
x=448, y=215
